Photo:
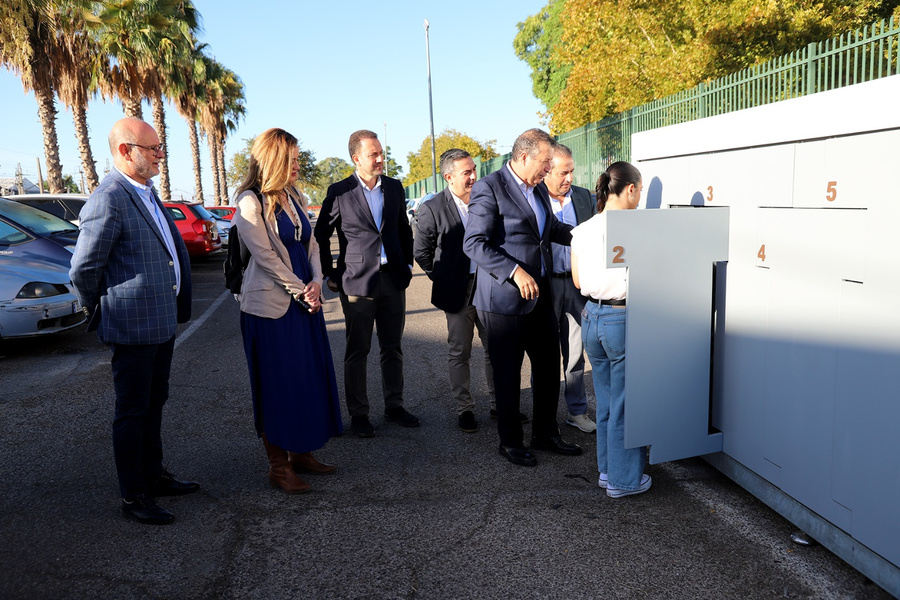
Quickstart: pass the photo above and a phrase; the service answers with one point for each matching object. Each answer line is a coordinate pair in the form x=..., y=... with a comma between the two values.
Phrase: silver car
x=64, y=206
x=36, y=296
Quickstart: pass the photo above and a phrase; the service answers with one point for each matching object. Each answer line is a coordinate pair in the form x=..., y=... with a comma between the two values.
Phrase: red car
x=197, y=227
x=223, y=212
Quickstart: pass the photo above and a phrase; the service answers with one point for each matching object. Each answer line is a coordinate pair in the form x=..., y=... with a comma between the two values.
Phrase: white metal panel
x=670, y=256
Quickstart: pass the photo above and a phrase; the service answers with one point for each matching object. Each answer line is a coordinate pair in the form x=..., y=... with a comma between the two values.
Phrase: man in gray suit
x=571, y=205
x=132, y=273
x=440, y=227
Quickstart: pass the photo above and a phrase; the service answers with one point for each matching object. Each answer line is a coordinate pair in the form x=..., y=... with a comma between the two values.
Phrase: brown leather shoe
x=307, y=462
x=281, y=475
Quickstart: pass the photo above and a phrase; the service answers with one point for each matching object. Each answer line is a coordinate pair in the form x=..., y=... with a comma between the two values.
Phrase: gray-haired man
x=571, y=205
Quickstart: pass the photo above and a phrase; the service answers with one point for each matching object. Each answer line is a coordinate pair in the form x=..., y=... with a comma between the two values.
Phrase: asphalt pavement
x=411, y=513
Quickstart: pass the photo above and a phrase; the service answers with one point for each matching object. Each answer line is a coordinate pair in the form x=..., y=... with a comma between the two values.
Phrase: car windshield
x=203, y=213
x=38, y=221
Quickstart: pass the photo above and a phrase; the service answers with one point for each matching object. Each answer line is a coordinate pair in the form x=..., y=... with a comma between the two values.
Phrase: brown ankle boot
x=307, y=462
x=281, y=475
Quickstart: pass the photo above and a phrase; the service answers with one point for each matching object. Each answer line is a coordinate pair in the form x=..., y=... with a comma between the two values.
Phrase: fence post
x=701, y=100
x=811, y=56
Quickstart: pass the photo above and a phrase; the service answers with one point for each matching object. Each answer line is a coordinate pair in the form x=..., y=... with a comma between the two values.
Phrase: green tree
x=420, y=162
x=240, y=162
x=330, y=170
x=536, y=44
x=70, y=186
x=391, y=168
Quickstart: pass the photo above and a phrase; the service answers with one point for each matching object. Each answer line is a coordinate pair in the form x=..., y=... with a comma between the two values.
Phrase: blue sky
x=322, y=70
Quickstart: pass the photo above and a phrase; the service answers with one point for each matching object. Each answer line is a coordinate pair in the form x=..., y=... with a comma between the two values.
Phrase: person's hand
x=312, y=295
x=332, y=285
x=528, y=287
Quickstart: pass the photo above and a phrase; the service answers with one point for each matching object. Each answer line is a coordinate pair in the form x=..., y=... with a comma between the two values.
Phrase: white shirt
x=463, y=209
x=534, y=203
x=375, y=199
x=145, y=193
x=589, y=245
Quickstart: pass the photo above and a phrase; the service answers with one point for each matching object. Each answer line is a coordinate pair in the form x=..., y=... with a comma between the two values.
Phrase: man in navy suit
x=132, y=273
x=374, y=268
x=440, y=227
x=571, y=205
x=508, y=236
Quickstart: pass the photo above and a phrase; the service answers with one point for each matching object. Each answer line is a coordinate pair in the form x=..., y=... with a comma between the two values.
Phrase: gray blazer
x=269, y=282
x=122, y=270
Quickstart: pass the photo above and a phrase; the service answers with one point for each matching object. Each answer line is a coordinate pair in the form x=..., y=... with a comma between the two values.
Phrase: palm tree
x=146, y=37
x=219, y=112
x=28, y=48
x=76, y=73
x=189, y=89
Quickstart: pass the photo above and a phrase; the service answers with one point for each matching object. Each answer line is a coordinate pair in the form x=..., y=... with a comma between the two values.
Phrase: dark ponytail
x=614, y=180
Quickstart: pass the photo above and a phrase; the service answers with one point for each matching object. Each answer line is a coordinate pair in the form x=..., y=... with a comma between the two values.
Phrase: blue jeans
x=603, y=333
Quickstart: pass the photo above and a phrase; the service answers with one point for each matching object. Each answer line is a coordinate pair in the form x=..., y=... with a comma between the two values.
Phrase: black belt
x=608, y=302
x=566, y=275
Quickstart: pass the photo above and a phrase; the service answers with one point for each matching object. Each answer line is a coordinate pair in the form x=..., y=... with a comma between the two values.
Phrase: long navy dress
x=295, y=394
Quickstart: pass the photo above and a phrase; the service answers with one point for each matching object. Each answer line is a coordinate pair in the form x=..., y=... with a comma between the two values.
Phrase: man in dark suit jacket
x=374, y=268
x=571, y=205
x=508, y=237
x=440, y=227
x=132, y=270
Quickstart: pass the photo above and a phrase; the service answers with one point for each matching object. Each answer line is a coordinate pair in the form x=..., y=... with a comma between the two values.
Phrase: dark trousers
x=386, y=313
x=510, y=337
x=141, y=380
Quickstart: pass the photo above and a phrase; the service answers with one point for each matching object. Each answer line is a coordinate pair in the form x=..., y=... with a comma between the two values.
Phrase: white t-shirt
x=589, y=245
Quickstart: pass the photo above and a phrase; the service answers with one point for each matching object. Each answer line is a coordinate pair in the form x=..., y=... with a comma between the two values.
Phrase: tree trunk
x=132, y=108
x=211, y=139
x=47, y=114
x=223, y=179
x=159, y=123
x=195, y=155
x=88, y=164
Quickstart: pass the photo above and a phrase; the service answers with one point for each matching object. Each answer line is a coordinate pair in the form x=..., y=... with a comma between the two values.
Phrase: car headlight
x=38, y=289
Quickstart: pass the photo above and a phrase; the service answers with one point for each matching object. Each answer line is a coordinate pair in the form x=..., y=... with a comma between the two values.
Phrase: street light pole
x=430, y=108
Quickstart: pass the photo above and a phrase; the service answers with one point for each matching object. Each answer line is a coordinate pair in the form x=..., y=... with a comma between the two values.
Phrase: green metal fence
x=862, y=55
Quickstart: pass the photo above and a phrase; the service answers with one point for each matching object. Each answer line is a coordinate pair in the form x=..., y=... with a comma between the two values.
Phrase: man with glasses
x=374, y=268
x=132, y=273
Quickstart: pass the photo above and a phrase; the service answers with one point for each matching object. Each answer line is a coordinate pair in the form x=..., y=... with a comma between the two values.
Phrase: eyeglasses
x=154, y=149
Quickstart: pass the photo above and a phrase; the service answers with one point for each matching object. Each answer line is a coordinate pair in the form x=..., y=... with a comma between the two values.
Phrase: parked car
x=225, y=212
x=223, y=226
x=36, y=295
x=64, y=206
x=54, y=237
x=412, y=205
x=197, y=227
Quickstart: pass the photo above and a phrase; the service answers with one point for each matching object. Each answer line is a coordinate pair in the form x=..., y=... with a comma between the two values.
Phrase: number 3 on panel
x=831, y=191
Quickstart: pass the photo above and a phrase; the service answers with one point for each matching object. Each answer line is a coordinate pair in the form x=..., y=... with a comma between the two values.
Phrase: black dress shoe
x=518, y=456
x=167, y=485
x=523, y=418
x=557, y=445
x=146, y=510
x=467, y=422
x=361, y=426
x=401, y=416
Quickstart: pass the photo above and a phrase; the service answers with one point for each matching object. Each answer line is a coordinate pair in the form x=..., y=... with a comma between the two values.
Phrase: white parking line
x=209, y=311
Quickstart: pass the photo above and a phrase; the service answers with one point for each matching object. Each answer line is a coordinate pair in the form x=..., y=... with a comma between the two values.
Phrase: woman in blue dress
x=295, y=397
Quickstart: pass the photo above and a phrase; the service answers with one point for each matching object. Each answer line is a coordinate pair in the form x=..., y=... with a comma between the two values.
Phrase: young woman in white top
x=603, y=331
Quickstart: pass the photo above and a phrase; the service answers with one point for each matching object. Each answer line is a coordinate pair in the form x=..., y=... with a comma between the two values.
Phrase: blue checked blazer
x=122, y=270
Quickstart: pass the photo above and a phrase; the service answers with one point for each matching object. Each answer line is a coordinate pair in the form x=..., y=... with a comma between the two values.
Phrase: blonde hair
x=270, y=168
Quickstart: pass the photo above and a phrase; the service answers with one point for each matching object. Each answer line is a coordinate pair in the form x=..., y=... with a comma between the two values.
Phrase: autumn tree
x=420, y=161
x=617, y=54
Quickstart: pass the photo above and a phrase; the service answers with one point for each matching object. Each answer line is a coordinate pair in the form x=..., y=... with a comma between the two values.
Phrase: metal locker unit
x=805, y=380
